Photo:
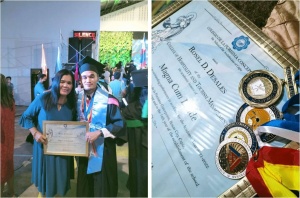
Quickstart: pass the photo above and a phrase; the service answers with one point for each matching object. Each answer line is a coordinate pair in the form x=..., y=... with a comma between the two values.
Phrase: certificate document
x=199, y=59
x=65, y=138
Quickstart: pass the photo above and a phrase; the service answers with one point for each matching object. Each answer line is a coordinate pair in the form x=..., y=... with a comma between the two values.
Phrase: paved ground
x=23, y=158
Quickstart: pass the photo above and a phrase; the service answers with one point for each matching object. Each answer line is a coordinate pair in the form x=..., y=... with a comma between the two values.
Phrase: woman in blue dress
x=51, y=174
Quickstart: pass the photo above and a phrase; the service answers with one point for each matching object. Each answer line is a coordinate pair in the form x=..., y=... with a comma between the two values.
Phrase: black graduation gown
x=138, y=151
x=104, y=183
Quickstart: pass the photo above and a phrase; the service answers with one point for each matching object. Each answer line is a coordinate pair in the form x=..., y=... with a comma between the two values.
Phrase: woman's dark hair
x=7, y=99
x=51, y=98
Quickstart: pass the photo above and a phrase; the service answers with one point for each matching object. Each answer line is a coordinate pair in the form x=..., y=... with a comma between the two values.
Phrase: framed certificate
x=201, y=50
x=66, y=138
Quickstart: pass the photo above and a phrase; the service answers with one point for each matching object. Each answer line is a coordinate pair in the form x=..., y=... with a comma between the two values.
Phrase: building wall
x=132, y=19
x=26, y=25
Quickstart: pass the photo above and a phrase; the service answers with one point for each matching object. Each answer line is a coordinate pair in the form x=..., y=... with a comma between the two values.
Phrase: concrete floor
x=23, y=158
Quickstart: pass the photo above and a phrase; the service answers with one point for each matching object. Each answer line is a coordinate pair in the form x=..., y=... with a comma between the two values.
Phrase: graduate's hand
x=92, y=136
x=39, y=137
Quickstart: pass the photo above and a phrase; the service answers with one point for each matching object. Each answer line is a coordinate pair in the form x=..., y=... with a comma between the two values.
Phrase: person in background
x=130, y=67
x=51, y=174
x=119, y=66
x=106, y=75
x=113, y=70
x=98, y=173
x=118, y=87
x=102, y=83
x=136, y=117
x=79, y=87
x=111, y=74
x=39, y=87
x=7, y=138
x=10, y=85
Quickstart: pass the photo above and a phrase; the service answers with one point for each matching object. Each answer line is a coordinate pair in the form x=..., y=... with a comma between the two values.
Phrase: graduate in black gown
x=97, y=174
x=136, y=116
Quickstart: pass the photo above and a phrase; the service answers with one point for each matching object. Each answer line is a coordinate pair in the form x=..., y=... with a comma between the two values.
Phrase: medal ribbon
x=288, y=127
x=273, y=171
x=87, y=110
x=88, y=107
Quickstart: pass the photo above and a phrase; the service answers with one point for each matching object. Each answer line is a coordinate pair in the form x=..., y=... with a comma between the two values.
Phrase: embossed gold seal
x=260, y=88
x=232, y=157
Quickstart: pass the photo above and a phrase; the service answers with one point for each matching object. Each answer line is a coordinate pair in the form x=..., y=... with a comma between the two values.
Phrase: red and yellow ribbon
x=274, y=172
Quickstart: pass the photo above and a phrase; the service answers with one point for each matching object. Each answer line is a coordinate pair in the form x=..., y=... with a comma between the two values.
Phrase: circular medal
x=255, y=117
x=232, y=157
x=240, y=131
x=260, y=88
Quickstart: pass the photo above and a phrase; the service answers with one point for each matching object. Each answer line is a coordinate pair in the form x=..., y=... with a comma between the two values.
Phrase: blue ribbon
x=98, y=121
x=289, y=126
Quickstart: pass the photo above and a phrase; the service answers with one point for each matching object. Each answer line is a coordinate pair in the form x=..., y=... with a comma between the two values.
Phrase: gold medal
x=240, y=131
x=260, y=88
x=232, y=157
x=255, y=117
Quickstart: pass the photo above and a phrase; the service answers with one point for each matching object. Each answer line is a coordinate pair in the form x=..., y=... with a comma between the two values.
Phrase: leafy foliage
x=115, y=47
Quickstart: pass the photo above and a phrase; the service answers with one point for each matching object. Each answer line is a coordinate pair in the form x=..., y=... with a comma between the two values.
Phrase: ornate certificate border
x=66, y=138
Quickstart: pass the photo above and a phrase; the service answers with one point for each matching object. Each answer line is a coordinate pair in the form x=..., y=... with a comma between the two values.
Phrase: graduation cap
x=90, y=64
x=140, y=77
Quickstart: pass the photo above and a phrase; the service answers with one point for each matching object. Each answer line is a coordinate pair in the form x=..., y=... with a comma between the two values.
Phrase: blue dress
x=51, y=174
x=38, y=89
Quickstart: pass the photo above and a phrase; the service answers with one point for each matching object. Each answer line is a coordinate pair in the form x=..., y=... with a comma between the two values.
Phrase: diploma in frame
x=65, y=138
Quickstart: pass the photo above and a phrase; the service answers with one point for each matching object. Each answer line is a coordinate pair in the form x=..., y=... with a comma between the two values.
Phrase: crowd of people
x=116, y=111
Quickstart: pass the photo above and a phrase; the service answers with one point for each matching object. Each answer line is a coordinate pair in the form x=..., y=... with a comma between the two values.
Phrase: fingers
x=90, y=137
x=44, y=140
x=39, y=137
